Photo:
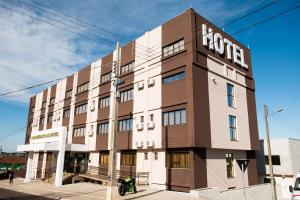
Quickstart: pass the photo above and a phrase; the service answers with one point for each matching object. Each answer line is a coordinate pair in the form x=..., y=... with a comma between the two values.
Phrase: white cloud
x=33, y=52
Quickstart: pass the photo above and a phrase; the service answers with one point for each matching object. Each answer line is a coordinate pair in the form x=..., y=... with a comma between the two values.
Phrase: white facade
x=288, y=151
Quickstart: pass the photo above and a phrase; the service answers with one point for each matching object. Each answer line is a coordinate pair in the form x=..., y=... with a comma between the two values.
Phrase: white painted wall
x=216, y=169
x=220, y=111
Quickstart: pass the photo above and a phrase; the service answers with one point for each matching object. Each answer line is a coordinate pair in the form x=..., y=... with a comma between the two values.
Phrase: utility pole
x=114, y=124
x=266, y=115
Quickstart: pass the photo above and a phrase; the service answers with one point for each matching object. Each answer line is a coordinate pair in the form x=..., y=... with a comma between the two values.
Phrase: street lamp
x=266, y=116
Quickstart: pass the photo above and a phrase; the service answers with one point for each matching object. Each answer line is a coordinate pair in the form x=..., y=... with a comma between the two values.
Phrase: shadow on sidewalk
x=6, y=194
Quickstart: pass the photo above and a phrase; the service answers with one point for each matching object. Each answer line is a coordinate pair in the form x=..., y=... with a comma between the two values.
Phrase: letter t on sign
x=208, y=39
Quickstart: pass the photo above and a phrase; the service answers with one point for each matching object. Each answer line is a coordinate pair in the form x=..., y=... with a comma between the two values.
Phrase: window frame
x=173, y=78
x=233, y=128
x=174, y=160
x=231, y=96
x=230, y=164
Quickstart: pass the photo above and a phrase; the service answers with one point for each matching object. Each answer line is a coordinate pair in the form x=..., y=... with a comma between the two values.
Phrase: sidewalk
x=44, y=191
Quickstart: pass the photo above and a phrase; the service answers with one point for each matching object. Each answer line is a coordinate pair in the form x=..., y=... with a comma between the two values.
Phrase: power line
x=13, y=133
x=261, y=22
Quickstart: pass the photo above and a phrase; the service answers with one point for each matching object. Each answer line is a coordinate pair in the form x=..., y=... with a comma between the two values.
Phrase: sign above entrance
x=46, y=136
x=216, y=42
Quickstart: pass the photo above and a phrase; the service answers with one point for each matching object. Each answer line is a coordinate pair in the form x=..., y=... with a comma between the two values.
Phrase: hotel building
x=186, y=112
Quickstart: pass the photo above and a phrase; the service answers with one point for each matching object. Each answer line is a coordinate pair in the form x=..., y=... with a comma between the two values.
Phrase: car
x=296, y=189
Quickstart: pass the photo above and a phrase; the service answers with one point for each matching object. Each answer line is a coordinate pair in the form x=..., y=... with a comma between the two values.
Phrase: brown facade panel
x=80, y=97
x=103, y=113
x=200, y=108
x=125, y=108
x=106, y=64
x=127, y=171
x=78, y=140
x=252, y=168
x=104, y=88
x=179, y=179
x=174, y=93
x=252, y=116
x=53, y=91
x=101, y=142
x=176, y=136
x=80, y=119
x=84, y=75
x=128, y=53
x=124, y=140
x=199, y=168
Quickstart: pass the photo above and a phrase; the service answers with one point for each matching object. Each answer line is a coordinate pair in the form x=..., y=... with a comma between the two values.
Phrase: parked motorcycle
x=126, y=185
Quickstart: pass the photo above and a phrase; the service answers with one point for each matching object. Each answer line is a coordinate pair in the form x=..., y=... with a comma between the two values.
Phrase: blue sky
x=33, y=52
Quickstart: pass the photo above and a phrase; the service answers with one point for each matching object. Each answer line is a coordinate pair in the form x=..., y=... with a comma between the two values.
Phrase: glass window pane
x=166, y=119
x=177, y=117
x=183, y=116
x=171, y=118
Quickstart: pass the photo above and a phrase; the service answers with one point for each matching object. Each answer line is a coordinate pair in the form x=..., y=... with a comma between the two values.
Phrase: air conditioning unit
x=139, y=127
x=139, y=144
x=93, y=105
x=151, y=82
x=140, y=85
x=58, y=116
x=151, y=125
x=91, y=133
x=150, y=144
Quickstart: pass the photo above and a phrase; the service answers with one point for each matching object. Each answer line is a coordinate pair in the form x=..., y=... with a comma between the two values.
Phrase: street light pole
x=266, y=116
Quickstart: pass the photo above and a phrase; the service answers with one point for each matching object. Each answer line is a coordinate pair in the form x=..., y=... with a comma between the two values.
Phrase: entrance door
x=40, y=165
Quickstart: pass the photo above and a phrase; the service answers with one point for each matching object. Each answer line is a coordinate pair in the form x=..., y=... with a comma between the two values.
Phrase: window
x=32, y=109
x=67, y=113
x=81, y=109
x=106, y=77
x=176, y=117
x=178, y=160
x=128, y=159
x=155, y=156
x=145, y=156
x=42, y=119
x=79, y=132
x=175, y=77
x=127, y=68
x=104, y=158
x=44, y=104
x=142, y=119
x=275, y=160
x=126, y=95
x=230, y=95
x=232, y=128
x=68, y=94
x=52, y=101
x=50, y=117
x=173, y=48
x=229, y=165
x=102, y=128
x=151, y=117
x=125, y=125
x=297, y=184
x=49, y=156
x=83, y=87
x=104, y=102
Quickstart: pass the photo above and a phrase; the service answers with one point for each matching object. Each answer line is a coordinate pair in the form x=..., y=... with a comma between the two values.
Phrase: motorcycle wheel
x=134, y=190
x=122, y=190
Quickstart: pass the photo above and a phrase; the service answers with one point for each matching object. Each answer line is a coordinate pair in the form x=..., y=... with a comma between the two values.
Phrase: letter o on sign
x=219, y=43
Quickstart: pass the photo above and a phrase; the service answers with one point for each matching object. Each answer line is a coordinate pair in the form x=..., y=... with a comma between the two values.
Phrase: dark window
x=106, y=77
x=44, y=104
x=173, y=48
x=229, y=165
x=128, y=159
x=42, y=119
x=68, y=94
x=49, y=156
x=67, y=113
x=127, y=68
x=275, y=160
x=50, y=117
x=145, y=156
x=175, y=77
x=126, y=95
x=82, y=88
x=232, y=128
x=104, y=158
x=178, y=160
x=102, y=128
x=81, y=109
x=230, y=95
x=176, y=117
x=155, y=155
x=52, y=100
x=125, y=125
x=79, y=132
x=104, y=102
x=297, y=184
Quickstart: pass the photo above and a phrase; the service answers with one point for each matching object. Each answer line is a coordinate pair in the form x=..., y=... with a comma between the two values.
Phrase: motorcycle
x=126, y=185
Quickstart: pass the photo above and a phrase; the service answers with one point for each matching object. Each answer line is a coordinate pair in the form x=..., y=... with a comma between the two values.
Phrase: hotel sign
x=216, y=42
x=46, y=135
